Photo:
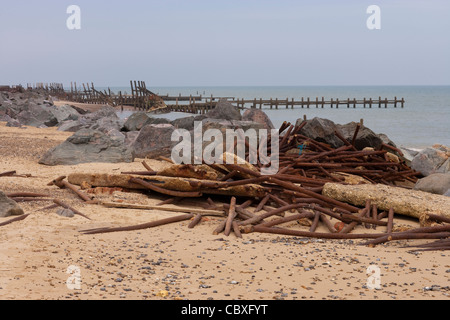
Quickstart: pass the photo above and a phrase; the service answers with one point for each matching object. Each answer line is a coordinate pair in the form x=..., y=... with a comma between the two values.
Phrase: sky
x=225, y=43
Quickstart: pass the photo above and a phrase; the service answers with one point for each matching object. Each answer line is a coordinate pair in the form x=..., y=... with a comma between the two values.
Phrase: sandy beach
x=175, y=263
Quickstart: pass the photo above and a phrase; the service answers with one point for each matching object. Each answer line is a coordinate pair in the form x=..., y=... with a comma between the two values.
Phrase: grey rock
x=321, y=130
x=438, y=183
x=154, y=140
x=365, y=137
x=224, y=110
x=37, y=115
x=107, y=124
x=139, y=120
x=259, y=116
x=185, y=123
x=222, y=125
x=431, y=160
x=9, y=207
x=10, y=122
x=64, y=113
x=87, y=146
x=65, y=213
x=103, y=120
x=70, y=126
x=130, y=137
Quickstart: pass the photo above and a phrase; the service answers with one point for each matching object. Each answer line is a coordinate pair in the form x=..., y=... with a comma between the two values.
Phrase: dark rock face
x=432, y=160
x=103, y=120
x=154, y=140
x=87, y=146
x=259, y=116
x=139, y=120
x=365, y=137
x=9, y=207
x=225, y=110
x=34, y=109
x=323, y=130
x=438, y=183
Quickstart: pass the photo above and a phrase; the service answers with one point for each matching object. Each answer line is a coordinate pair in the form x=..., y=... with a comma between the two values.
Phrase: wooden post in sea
x=276, y=103
x=348, y=103
x=317, y=102
x=354, y=103
x=260, y=103
x=379, y=102
x=395, y=102
x=270, y=103
x=337, y=103
x=370, y=103
x=292, y=106
x=323, y=101
x=302, y=103
x=331, y=103
x=385, y=102
x=307, y=106
x=403, y=102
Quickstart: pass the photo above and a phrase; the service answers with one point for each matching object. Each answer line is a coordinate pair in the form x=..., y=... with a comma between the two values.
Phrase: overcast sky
x=225, y=43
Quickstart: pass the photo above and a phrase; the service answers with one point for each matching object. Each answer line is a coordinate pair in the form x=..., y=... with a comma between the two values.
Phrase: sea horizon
x=422, y=122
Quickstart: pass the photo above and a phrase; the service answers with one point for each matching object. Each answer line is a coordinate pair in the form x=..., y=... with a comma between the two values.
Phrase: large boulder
x=365, y=138
x=259, y=116
x=138, y=120
x=37, y=116
x=103, y=120
x=9, y=207
x=64, y=113
x=225, y=110
x=154, y=140
x=223, y=125
x=87, y=146
x=432, y=160
x=323, y=130
x=438, y=183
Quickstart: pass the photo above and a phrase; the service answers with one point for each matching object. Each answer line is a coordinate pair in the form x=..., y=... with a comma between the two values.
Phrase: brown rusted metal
x=315, y=223
x=19, y=218
x=140, y=226
x=183, y=194
x=195, y=221
x=61, y=183
x=390, y=220
x=303, y=214
x=231, y=216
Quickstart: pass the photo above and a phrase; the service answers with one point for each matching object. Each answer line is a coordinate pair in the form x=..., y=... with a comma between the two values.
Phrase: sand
x=193, y=264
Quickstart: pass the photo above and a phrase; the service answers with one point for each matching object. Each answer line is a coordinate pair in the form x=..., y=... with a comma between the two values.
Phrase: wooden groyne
x=307, y=102
x=143, y=99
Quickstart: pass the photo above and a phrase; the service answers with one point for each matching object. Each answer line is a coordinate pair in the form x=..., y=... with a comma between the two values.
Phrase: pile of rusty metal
x=249, y=202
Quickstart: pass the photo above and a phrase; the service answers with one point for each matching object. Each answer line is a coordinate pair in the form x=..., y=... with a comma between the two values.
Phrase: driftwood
x=411, y=203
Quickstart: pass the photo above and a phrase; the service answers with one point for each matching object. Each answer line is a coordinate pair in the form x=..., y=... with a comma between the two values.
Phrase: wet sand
x=187, y=263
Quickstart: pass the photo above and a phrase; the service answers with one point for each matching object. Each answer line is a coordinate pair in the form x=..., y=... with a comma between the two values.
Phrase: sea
x=424, y=120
